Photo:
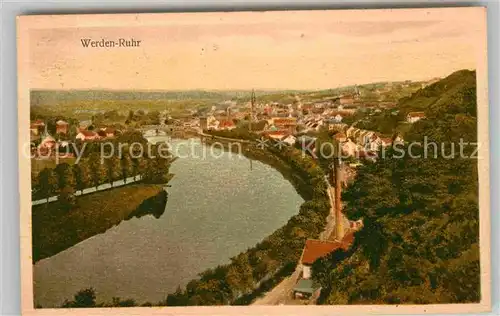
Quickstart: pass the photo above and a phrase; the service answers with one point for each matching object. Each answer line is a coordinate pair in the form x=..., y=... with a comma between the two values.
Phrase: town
x=288, y=120
x=291, y=122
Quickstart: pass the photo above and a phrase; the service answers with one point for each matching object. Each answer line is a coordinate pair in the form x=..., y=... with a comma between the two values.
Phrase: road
x=101, y=187
x=281, y=294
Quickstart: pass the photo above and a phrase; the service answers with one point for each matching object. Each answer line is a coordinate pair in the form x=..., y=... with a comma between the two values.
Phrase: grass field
x=56, y=229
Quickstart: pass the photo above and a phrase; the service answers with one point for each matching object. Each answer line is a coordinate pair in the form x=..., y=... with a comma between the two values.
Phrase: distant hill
x=52, y=97
x=450, y=106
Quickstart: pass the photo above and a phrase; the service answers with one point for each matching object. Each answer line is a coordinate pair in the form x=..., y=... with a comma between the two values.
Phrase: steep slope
x=420, y=243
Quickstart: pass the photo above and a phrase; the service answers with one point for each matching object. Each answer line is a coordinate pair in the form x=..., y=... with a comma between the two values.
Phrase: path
x=282, y=293
x=101, y=187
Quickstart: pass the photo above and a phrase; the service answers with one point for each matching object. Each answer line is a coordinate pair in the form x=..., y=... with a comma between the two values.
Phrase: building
x=413, y=117
x=284, y=123
x=226, y=125
x=62, y=127
x=212, y=123
x=277, y=134
x=289, y=139
x=203, y=123
x=313, y=250
x=107, y=132
x=340, y=137
x=339, y=127
x=85, y=135
x=47, y=142
x=385, y=141
x=37, y=127
x=84, y=124
x=305, y=289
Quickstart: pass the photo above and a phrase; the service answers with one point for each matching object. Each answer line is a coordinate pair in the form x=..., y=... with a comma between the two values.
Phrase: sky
x=254, y=50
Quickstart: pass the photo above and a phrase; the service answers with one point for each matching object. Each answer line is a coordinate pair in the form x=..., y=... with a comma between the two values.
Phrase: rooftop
x=315, y=249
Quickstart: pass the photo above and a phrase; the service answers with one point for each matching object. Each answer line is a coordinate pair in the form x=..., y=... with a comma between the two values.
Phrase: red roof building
x=62, y=127
x=226, y=124
x=315, y=249
x=84, y=135
x=412, y=117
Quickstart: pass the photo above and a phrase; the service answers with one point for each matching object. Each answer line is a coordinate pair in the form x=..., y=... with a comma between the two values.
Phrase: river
x=219, y=205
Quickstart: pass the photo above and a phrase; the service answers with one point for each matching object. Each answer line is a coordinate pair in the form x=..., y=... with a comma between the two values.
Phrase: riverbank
x=56, y=229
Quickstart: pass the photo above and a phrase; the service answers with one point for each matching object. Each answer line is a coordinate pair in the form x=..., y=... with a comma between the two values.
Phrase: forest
x=420, y=241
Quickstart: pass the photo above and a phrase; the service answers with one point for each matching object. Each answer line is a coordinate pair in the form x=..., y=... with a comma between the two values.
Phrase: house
x=47, y=146
x=212, y=122
x=48, y=142
x=84, y=124
x=305, y=289
x=62, y=127
x=413, y=117
x=101, y=133
x=313, y=250
x=277, y=135
x=372, y=143
x=351, y=131
x=284, y=123
x=349, y=148
x=398, y=140
x=203, y=123
x=37, y=127
x=226, y=125
x=367, y=137
x=85, y=135
x=336, y=126
x=367, y=155
x=355, y=225
x=107, y=132
x=385, y=141
x=289, y=139
x=340, y=137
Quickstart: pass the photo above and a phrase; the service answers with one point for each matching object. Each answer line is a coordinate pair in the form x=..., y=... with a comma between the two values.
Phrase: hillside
x=447, y=97
x=444, y=91
x=420, y=242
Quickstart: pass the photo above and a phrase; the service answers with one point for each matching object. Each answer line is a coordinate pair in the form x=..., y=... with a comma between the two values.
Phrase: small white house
x=289, y=139
x=413, y=117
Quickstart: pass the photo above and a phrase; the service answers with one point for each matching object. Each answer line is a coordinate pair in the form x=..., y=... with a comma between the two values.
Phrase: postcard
x=259, y=162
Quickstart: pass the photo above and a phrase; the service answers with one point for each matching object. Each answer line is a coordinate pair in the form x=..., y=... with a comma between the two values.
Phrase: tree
x=98, y=172
x=126, y=165
x=113, y=169
x=82, y=299
x=82, y=175
x=47, y=181
x=65, y=175
x=135, y=167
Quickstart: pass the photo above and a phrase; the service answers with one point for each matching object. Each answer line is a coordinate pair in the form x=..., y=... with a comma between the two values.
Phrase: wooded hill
x=420, y=241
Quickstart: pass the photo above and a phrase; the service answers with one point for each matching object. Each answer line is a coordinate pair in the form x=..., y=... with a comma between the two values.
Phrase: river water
x=219, y=205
